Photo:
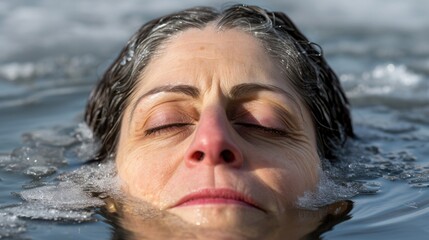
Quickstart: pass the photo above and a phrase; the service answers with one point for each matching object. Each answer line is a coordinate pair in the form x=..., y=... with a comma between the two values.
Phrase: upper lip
x=219, y=193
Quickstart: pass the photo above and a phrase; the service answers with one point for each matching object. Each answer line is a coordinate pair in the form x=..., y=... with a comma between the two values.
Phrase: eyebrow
x=237, y=92
x=246, y=89
x=183, y=89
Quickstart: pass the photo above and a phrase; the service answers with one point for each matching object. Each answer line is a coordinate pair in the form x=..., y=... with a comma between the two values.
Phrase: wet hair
x=301, y=61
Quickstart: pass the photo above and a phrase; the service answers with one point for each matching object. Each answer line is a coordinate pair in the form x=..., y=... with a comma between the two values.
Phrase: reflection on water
x=48, y=192
x=136, y=220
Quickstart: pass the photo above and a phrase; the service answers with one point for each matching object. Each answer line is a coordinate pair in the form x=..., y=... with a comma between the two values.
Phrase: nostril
x=227, y=156
x=198, y=155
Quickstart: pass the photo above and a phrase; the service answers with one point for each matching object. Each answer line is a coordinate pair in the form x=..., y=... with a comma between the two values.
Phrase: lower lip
x=212, y=201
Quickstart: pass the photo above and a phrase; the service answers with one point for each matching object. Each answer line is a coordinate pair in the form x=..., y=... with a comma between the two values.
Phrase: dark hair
x=301, y=61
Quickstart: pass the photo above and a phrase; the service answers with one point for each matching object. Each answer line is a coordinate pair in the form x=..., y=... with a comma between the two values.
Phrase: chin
x=221, y=216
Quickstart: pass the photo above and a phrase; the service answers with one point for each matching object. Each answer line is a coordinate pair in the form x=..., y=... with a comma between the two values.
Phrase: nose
x=213, y=143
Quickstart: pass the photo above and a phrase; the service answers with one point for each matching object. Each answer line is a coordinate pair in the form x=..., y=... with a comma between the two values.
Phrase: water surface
x=53, y=53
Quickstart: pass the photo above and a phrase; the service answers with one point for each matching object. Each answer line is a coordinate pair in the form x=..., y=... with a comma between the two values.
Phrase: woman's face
x=215, y=134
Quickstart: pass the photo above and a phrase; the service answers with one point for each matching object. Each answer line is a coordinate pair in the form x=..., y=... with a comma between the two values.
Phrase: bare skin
x=216, y=135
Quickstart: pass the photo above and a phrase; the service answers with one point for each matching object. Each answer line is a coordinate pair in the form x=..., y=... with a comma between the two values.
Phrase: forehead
x=212, y=43
x=208, y=56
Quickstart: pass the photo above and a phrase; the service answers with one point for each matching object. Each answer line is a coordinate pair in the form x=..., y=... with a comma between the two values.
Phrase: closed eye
x=166, y=128
x=263, y=129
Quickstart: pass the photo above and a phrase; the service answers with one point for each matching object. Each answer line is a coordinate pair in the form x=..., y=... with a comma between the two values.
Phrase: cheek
x=145, y=173
x=133, y=173
x=288, y=173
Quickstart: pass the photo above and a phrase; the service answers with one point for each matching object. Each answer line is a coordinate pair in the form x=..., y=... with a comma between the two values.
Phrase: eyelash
x=172, y=126
x=165, y=128
x=273, y=131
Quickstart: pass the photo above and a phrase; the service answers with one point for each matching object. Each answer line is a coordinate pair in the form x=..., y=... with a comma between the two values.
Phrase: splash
x=72, y=199
x=328, y=191
x=62, y=202
x=360, y=171
x=48, y=150
x=384, y=80
x=95, y=178
x=73, y=196
x=10, y=225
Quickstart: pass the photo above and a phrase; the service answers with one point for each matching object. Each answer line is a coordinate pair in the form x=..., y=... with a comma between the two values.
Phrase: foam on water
x=73, y=196
x=34, y=160
x=328, y=191
x=356, y=172
x=69, y=197
x=64, y=195
x=95, y=178
x=62, y=28
x=10, y=225
x=65, y=201
x=71, y=67
x=370, y=162
x=46, y=150
x=385, y=80
x=40, y=212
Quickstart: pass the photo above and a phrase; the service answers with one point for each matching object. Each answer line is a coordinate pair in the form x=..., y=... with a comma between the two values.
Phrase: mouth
x=218, y=196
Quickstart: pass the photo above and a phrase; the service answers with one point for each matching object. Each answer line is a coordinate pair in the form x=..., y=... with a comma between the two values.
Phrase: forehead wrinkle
x=187, y=90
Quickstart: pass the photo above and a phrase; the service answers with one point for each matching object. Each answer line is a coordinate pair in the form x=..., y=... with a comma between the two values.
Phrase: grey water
x=52, y=53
